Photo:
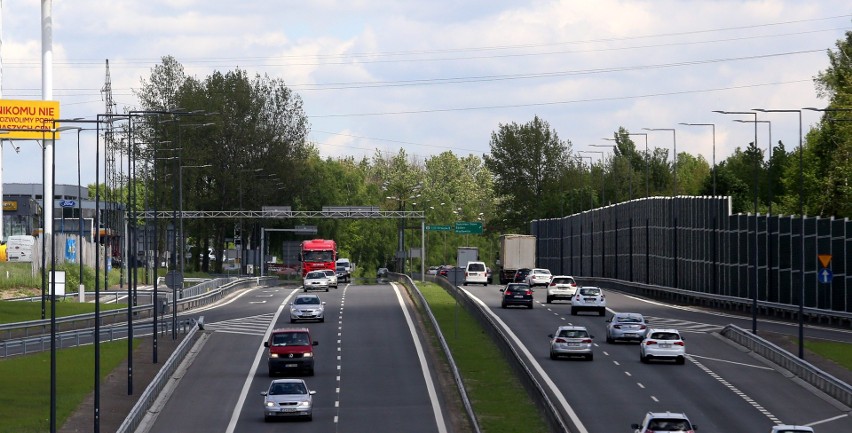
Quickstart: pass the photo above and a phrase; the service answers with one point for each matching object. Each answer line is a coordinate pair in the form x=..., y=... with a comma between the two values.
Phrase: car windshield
x=590, y=292
x=291, y=339
x=665, y=336
x=669, y=425
x=563, y=281
x=476, y=267
x=573, y=333
x=315, y=275
x=628, y=319
x=318, y=256
x=329, y=272
x=288, y=388
x=542, y=272
x=307, y=300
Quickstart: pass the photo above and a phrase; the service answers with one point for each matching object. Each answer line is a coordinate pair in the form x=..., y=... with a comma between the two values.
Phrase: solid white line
x=552, y=386
x=424, y=368
x=655, y=399
x=834, y=418
x=238, y=408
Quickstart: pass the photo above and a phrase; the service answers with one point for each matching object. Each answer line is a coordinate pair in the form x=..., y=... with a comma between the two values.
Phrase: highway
x=721, y=388
x=371, y=374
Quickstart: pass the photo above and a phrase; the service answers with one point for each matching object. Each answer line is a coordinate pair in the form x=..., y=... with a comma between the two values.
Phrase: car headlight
x=308, y=355
x=295, y=311
x=304, y=404
x=270, y=403
x=273, y=355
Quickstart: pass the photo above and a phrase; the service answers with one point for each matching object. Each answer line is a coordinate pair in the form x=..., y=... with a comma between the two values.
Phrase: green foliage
x=27, y=408
x=19, y=311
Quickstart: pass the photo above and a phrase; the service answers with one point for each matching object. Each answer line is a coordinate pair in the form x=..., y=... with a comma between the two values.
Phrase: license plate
x=289, y=409
x=591, y=299
x=519, y=296
x=573, y=344
x=291, y=365
x=665, y=346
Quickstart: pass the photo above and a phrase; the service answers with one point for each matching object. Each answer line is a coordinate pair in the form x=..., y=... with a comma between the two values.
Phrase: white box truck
x=467, y=254
x=516, y=252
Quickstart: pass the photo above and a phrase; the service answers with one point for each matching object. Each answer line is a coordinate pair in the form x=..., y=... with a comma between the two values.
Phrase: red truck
x=318, y=254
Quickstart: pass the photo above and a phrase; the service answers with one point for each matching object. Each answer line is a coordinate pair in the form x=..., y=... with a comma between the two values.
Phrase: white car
x=665, y=422
x=315, y=280
x=561, y=287
x=476, y=273
x=307, y=307
x=332, y=277
x=589, y=298
x=538, y=277
x=663, y=344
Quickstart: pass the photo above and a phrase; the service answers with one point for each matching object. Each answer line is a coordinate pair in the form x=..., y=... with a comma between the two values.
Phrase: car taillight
x=587, y=340
x=529, y=292
x=679, y=343
x=572, y=285
x=577, y=297
x=650, y=342
x=561, y=340
x=642, y=326
x=552, y=283
x=465, y=273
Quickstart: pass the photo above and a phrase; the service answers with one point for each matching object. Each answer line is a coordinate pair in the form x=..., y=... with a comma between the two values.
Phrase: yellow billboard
x=27, y=120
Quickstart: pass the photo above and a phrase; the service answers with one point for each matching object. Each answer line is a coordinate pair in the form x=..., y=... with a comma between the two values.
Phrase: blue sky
x=377, y=76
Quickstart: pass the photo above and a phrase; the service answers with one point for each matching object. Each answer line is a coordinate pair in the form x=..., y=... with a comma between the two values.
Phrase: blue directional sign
x=825, y=275
x=67, y=203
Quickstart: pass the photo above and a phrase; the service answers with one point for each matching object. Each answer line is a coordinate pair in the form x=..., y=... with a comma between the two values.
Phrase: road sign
x=438, y=228
x=824, y=259
x=67, y=203
x=468, y=228
x=825, y=275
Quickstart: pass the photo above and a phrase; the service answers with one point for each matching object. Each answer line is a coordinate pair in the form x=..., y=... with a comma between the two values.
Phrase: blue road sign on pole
x=825, y=275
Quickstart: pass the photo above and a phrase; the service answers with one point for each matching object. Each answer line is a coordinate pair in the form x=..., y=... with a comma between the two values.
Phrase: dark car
x=521, y=275
x=517, y=294
x=444, y=270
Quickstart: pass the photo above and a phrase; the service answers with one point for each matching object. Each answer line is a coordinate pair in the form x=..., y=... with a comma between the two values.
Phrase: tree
x=526, y=161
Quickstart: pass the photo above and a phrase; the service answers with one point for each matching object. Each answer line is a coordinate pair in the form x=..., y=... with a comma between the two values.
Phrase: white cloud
x=598, y=66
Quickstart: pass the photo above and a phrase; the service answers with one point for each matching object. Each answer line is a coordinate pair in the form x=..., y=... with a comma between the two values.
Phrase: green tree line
x=231, y=141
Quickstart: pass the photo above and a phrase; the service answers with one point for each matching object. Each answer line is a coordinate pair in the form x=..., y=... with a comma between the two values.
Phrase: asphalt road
x=370, y=372
x=721, y=387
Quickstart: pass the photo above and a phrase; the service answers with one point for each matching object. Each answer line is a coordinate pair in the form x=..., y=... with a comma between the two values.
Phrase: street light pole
x=754, y=268
x=713, y=125
x=603, y=191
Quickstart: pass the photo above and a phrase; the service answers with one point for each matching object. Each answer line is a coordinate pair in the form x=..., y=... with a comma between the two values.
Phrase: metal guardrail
x=836, y=388
x=409, y=284
x=152, y=391
x=812, y=315
x=78, y=326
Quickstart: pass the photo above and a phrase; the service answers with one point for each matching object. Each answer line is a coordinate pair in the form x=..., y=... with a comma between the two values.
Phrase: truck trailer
x=516, y=252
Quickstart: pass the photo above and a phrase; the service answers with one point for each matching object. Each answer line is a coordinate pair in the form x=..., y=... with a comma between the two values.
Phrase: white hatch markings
x=252, y=325
x=640, y=385
x=735, y=390
x=682, y=325
x=762, y=367
x=655, y=399
x=628, y=374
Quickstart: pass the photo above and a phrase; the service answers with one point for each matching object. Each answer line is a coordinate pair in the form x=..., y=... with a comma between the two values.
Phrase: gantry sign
x=351, y=212
x=285, y=212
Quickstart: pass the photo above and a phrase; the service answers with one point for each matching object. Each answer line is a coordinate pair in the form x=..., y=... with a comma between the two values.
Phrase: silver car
x=307, y=307
x=626, y=326
x=538, y=277
x=288, y=398
x=571, y=341
x=315, y=280
x=332, y=277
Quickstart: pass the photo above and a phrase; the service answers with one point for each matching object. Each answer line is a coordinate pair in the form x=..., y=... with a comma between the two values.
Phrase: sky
x=433, y=76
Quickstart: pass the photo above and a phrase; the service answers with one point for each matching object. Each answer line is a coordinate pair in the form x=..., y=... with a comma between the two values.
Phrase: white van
x=346, y=264
x=476, y=273
x=19, y=248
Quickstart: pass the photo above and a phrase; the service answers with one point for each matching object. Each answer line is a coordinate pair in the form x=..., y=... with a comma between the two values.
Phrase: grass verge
x=498, y=398
x=25, y=381
x=20, y=311
x=841, y=353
